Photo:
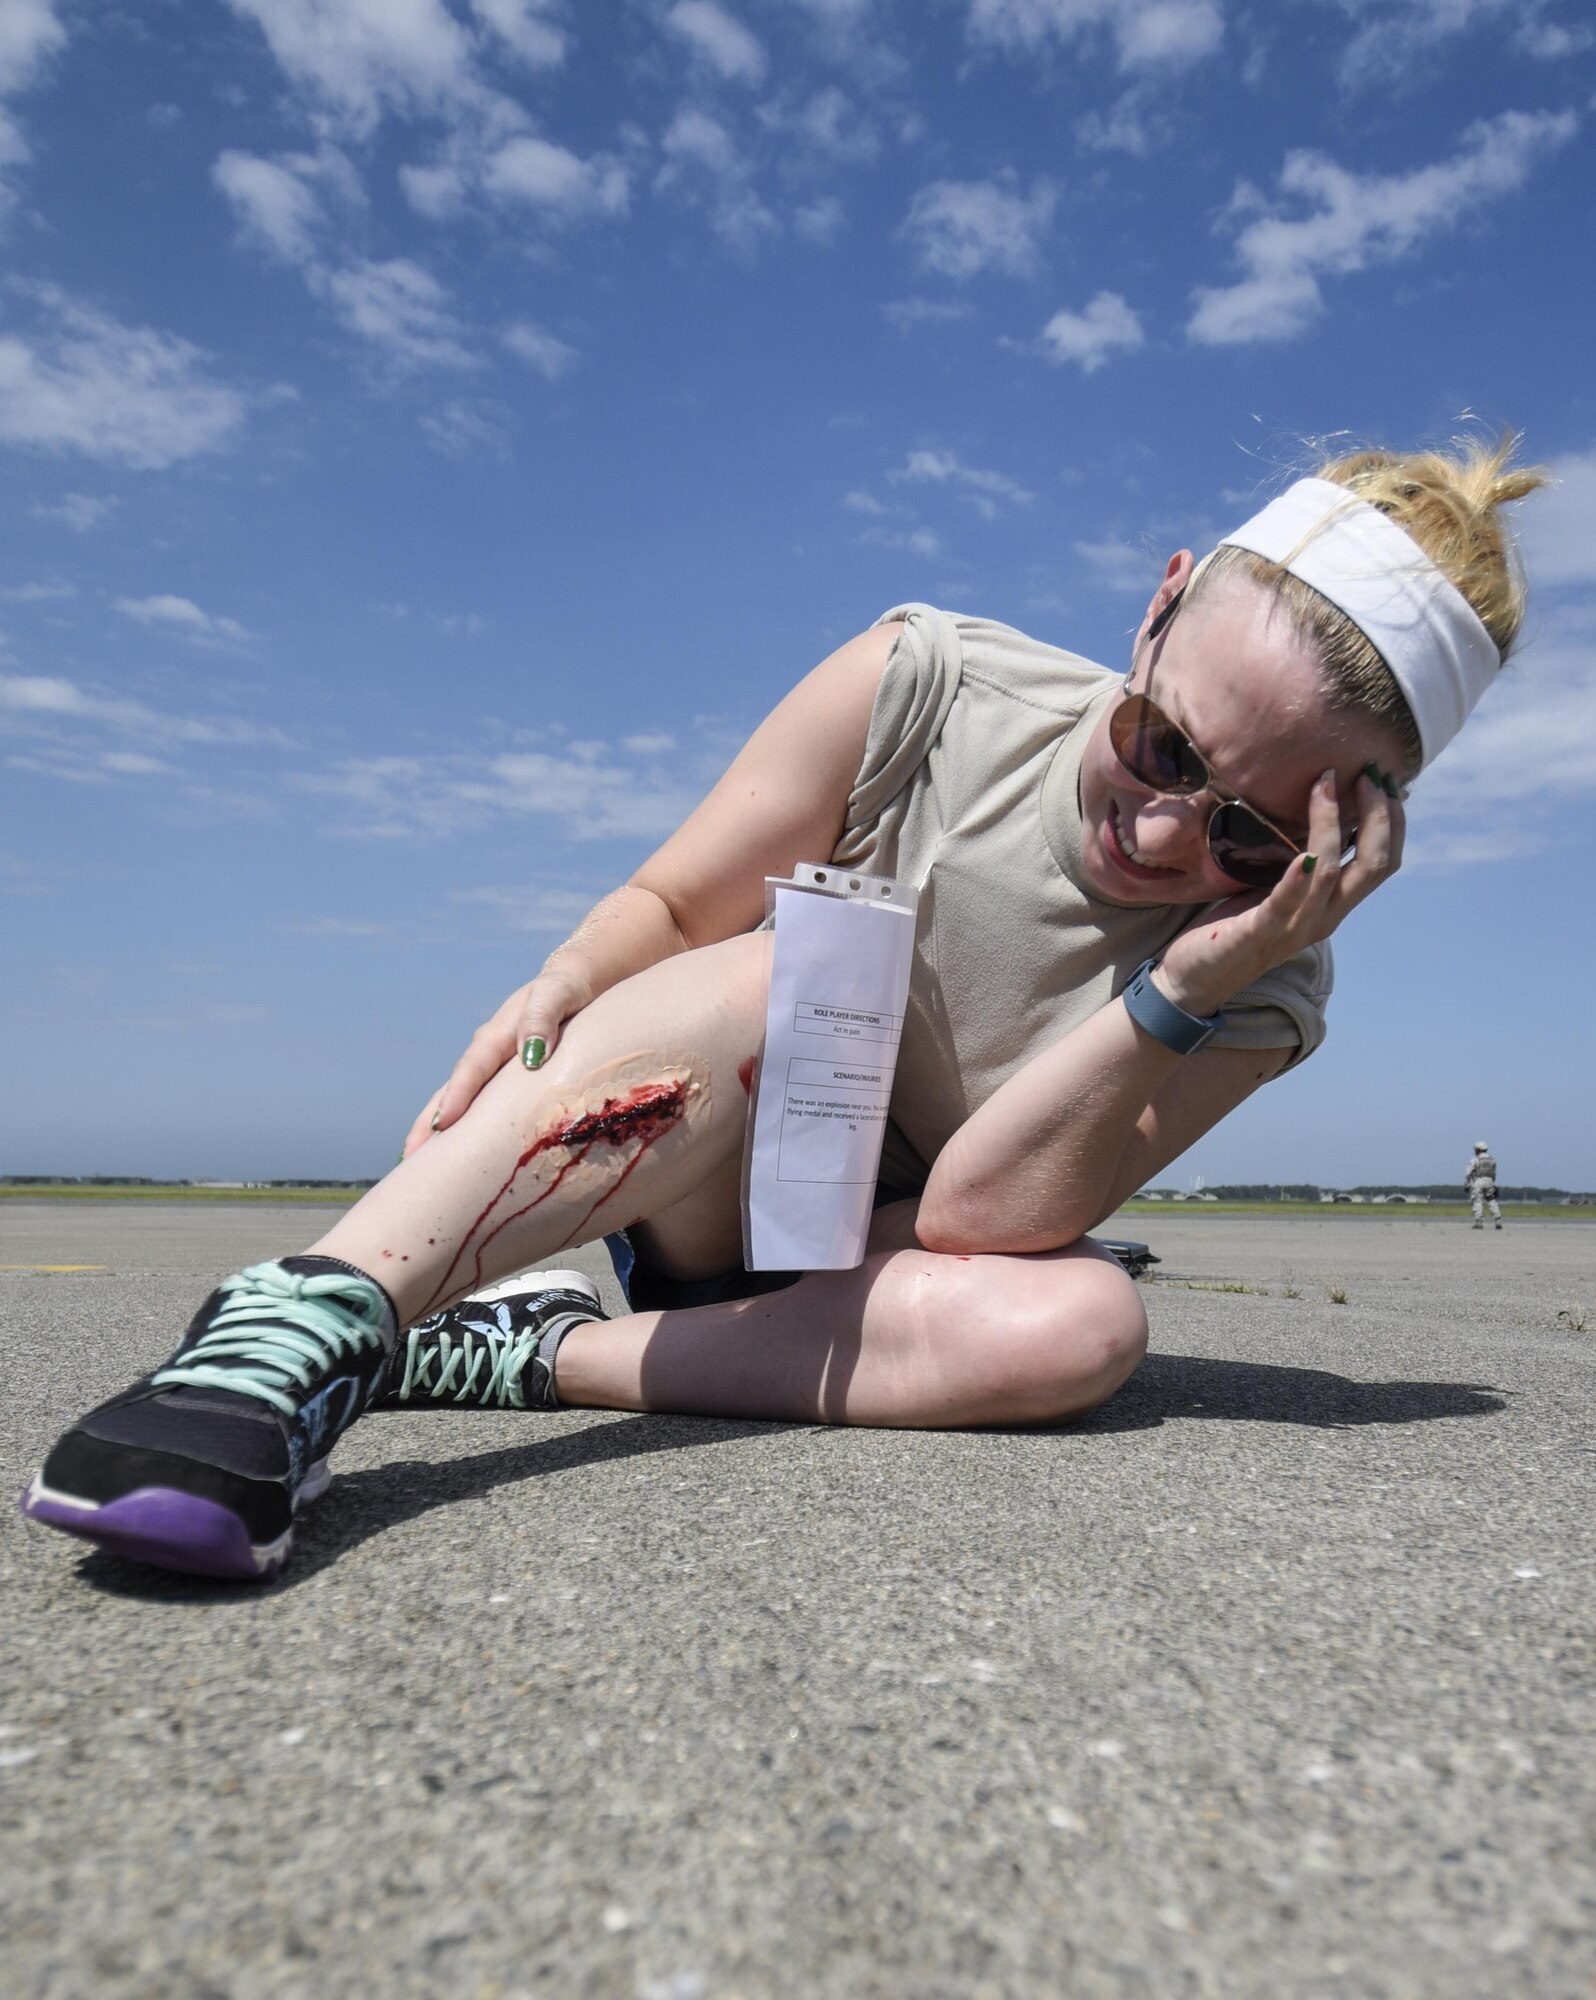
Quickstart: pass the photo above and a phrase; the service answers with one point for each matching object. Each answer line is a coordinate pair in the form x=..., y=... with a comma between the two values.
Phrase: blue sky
x=434, y=434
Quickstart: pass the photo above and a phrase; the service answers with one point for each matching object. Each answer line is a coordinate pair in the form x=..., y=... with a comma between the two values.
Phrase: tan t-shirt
x=969, y=789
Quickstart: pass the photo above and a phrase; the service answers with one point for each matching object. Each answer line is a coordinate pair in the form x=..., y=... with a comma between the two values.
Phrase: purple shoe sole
x=173, y=1530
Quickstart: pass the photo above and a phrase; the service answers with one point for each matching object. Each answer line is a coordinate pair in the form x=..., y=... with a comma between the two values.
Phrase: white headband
x=1422, y=626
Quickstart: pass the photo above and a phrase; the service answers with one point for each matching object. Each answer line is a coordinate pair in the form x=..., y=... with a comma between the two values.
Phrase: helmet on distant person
x=1480, y=1146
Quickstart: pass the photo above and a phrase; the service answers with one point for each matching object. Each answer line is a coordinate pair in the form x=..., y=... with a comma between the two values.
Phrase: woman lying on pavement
x=1127, y=888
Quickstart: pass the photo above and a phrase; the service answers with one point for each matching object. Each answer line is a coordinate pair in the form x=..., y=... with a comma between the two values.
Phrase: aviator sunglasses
x=1245, y=843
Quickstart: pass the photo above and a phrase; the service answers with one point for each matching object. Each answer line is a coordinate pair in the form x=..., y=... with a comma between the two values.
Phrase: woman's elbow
x=968, y=1225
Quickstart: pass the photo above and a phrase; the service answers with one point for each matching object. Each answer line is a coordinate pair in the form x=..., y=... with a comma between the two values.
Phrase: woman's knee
x=1063, y=1332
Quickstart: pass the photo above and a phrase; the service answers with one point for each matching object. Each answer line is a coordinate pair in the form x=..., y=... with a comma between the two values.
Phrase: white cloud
x=33, y=700
x=862, y=502
x=37, y=593
x=1088, y=338
x=827, y=129
x=907, y=314
x=539, y=912
x=1526, y=758
x=1147, y=34
x=134, y=764
x=1348, y=221
x=398, y=307
x=467, y=430
x=360, y=58
x=1121, y=566
x=1121, y=128
x=703, y=166
x=1557, y=527
x=434, y=191
x=623, y=796
x=821, y=221
x=719, y=40
x=942, y=468
x=862, y=40
x=924, y=543
x=554, y=181
x=526, y=29
x=183, y=615
x=277, y=202
x=394, y=304
x=540, y=350
x=78, y=511
x=962, y=228
x=1393, y=44
x=274, y=205
x=30, y=33
x=124, y=395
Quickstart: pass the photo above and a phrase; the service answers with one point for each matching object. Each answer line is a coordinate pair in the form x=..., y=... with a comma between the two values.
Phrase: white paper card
x=839, y=982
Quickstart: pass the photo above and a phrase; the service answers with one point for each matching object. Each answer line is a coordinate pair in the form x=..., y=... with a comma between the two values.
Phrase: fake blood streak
x=642, y=1116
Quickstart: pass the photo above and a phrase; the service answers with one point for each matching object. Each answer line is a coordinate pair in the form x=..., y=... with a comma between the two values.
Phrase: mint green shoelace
x=441, y=1367
x=328, y=1318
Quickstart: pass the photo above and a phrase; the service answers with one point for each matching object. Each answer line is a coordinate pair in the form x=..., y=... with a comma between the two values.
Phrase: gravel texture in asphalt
x=1273, y=1678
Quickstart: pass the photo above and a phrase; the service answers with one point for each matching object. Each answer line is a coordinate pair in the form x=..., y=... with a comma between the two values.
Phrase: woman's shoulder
x=999, y=657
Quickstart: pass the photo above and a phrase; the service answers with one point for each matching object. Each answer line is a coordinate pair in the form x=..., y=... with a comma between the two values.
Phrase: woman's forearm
x=630, y=929
x=1032, y=1168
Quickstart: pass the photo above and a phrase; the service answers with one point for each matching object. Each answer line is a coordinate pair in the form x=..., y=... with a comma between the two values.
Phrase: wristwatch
x=1163, y=1020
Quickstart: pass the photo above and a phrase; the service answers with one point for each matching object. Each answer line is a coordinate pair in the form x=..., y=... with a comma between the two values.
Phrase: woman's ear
x=1177, y=575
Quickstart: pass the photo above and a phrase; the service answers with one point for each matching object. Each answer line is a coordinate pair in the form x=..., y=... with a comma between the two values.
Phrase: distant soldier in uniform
x=1480, y=1181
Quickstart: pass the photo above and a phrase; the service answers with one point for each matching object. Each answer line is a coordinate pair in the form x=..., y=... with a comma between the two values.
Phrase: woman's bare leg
x=912, y=1338
x=639, y=1105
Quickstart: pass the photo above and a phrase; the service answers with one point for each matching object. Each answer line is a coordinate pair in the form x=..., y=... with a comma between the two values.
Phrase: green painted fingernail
x=1309, y=863
x=1372, y=773
x=533, y=1050
x=1393, y=789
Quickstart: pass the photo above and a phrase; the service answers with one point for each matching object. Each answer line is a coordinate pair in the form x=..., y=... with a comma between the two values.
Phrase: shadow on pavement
x=379, y=1498
x=1178, y=1385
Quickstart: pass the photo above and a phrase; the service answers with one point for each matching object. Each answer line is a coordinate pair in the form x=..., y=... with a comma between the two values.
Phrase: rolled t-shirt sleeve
x=916, y=691
x=1285, y=1009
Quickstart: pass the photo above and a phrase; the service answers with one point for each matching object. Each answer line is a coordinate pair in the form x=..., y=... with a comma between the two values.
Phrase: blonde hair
x=1449, y=502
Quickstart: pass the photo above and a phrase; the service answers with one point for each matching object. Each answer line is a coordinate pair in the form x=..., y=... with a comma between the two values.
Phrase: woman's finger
x=538, y=1036
x=1378, y=851
x=1397, y=814
x=545, y=1007
x=424, y=1127
x=489, y=1049
x=1309, y=882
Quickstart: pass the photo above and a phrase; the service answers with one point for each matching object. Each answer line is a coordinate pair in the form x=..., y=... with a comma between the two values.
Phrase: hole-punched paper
x=839, y=982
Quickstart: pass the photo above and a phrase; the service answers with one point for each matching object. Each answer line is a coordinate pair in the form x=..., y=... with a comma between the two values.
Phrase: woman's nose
x=1171, y=829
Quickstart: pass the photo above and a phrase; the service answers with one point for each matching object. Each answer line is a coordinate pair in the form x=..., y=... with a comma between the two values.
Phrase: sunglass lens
x=1155, y=752
x=1248, y=851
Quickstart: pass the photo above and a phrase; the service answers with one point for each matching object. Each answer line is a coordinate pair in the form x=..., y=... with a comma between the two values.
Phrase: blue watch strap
x=1162, y=1019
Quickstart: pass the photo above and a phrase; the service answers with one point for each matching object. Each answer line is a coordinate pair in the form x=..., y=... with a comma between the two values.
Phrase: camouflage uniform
x=1480, y=1182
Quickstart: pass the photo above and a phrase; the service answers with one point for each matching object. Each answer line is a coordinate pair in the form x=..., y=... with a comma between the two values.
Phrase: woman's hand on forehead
x=1250, y=934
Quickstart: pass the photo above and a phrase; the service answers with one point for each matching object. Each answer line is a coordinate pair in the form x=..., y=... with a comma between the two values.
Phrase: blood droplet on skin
x=745, y=1076
x=1212, y=935
x=644, y=1114
x=387, y=1253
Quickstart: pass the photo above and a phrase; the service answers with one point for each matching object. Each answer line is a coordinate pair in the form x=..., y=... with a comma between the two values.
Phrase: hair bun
x=1449, y=501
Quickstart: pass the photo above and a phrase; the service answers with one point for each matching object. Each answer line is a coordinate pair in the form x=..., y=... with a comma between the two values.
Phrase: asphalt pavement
x=1274, y=1678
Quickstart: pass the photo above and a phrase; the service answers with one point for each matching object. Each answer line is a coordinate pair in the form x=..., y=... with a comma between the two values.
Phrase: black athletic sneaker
x=202, y=1464
x=494, y=1350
